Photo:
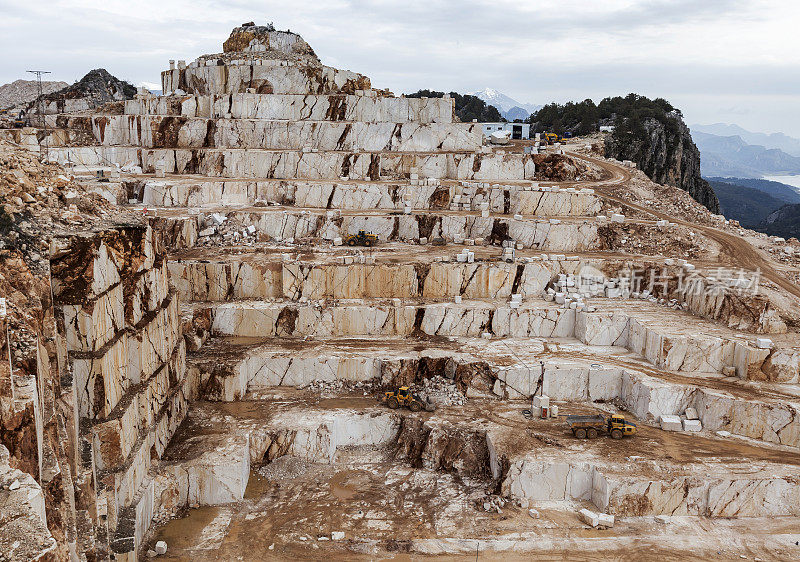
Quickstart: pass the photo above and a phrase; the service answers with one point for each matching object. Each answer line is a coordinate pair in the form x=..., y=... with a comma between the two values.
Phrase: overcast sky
x=734, y=61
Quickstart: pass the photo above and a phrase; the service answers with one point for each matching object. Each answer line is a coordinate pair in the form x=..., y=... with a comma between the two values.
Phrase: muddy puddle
x=348, y=483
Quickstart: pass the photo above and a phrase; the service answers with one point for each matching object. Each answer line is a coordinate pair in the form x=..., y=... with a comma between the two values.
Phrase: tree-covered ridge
x=747, y=205
x=467, y=107
x=582, y=118
x=650, y=133
x=783, y=222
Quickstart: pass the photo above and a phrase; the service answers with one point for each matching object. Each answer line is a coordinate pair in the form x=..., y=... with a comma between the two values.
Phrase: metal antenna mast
x=42, y=119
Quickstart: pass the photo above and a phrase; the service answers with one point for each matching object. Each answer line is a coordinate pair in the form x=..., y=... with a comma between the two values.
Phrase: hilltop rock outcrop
x=95, y=89
x=666, y=153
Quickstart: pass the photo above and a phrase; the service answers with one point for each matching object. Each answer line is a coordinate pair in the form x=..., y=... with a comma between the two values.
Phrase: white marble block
x=671, y=423
x=605, y=520
x=589, y=517
x=692, y=425
x=764, y=343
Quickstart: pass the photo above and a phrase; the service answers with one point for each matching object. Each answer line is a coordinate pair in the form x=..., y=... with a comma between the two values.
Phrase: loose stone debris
x=197, y=334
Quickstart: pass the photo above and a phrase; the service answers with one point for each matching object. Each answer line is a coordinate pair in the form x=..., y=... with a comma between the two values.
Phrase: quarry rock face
x=264, y=38
x=96, y=88
x=668, y=157
x=121, y=339
x=225, y=350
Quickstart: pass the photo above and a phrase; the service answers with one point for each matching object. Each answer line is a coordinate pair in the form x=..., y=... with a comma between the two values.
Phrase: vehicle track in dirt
x=739, y=252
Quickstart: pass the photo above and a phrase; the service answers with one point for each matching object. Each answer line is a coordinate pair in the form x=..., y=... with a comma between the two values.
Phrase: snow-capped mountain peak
x=503, y=102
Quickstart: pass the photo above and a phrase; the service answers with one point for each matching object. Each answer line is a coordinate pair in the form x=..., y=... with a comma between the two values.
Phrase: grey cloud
x=405, y=46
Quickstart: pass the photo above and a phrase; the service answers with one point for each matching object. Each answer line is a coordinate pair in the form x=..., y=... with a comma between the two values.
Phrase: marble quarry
x=219, y=360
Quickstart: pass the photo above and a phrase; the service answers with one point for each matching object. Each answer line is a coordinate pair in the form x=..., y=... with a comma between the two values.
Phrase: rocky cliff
x=95, y=89
x=665, y=151
x=783, y=222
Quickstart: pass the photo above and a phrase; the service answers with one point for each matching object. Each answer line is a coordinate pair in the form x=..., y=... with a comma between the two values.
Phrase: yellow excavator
x=550, y=138
x=362, y=239
x=404, y=397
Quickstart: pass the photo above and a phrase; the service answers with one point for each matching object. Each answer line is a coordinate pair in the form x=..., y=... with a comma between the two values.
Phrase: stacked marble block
x=570, y=291
x=465, y=256
x=689, y=421
x=120, y=336
x=509, y=253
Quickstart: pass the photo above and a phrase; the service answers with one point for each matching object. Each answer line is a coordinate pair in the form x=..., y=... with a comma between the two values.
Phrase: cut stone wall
x=180, y=132
x=566, y=236
x=222, y=280
x=265, y=76
x=125, y=359
x=612, y=491
x=294, y=107
x=290, y=164
x=660, y=345
x=366, y=195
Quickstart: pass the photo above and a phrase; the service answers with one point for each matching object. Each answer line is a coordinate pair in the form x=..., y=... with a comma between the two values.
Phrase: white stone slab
x=605, y=520
x=589, y=517
x=671, y=423
x=692, y=425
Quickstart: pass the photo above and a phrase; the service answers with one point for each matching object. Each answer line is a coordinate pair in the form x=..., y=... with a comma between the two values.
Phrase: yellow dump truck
x=588, y=427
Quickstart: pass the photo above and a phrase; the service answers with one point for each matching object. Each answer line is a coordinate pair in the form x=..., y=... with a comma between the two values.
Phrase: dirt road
x=738, y=250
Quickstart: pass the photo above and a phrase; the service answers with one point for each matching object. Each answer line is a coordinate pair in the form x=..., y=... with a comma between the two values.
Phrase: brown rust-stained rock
x=442, y=446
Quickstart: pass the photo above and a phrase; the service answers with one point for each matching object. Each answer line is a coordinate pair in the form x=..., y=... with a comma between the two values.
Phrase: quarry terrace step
x=180, y=132
x=291, y=164
x=668, y=339
x=297, y=107
x=384, y=195
x=715, y=483
x=258, y=276
x=398, y=253
x=508, y=369
x=567, y=235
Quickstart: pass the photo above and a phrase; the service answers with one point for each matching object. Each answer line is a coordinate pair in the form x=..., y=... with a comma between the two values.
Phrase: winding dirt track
x=737, y=249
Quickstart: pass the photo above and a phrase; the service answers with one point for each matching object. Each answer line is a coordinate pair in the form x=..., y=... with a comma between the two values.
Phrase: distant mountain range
x=763, y=205
x=781, y=191
x=509, y=108
x=789, y=145
x=732, y=156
